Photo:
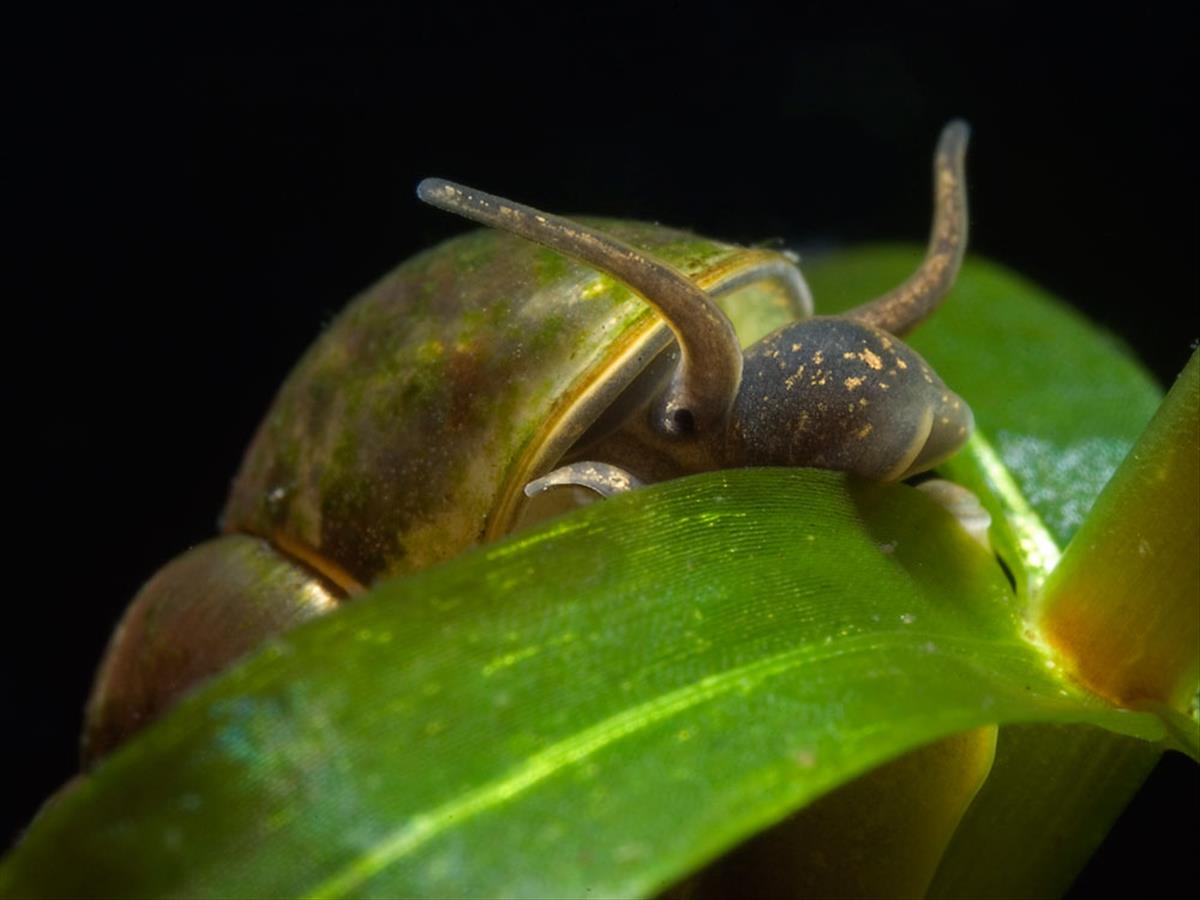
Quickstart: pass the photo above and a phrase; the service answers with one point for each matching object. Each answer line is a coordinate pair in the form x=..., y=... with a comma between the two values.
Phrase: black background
x=197, y=196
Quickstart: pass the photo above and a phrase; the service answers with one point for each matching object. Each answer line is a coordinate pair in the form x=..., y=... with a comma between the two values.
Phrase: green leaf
x=1058, y=403
x=597, y=706
x=605, y=704
x=1121, y=606
x=1053, y=794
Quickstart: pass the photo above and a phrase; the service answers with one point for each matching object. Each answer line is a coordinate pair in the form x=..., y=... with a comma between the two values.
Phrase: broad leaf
x=1050, y=800
x=598, y=706
x=1121, y=605
x=603, y=705
x=1057, y=403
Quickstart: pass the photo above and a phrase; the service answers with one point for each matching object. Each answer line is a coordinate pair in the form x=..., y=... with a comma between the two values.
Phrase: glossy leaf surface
x=1057, y=402
x=1053, y=794
x=603, y=705
x=594, y=707
x=1130, y=578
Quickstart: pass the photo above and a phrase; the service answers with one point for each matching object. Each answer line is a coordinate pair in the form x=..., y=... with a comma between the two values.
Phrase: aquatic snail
x=510, y=373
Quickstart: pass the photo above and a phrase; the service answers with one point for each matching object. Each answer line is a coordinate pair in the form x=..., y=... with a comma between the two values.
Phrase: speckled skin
x=404, y=434
x=835, y=394
x=825, y=392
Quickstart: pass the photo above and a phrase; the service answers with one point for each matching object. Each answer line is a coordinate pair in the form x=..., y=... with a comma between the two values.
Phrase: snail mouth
x=908, y=464
x=950, y=425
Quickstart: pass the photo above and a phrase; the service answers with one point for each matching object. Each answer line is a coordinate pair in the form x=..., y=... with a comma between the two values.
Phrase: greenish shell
x=408, y=431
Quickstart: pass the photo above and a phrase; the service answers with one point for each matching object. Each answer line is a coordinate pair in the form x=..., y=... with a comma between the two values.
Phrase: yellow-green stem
x=1123, y=606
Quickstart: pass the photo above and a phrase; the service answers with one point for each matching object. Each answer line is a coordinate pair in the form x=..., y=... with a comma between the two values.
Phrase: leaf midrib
x=425, y=826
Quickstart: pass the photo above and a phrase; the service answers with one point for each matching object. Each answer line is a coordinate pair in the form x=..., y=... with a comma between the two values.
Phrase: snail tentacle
x=906, y=306
x=710, y=364
x=603, y=478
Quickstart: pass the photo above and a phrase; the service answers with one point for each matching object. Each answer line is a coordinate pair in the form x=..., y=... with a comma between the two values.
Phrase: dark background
x=197, y=196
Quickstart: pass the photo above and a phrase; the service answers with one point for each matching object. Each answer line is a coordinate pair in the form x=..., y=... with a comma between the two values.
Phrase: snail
x=513, y=372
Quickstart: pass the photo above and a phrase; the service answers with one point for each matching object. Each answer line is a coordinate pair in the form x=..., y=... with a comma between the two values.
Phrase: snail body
x=505, y=375
x=409, y=430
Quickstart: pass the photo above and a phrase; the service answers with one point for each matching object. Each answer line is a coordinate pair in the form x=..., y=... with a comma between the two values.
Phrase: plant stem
x=1123, y=605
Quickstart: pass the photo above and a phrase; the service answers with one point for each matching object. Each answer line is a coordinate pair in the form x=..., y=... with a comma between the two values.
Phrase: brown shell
x=198, y=614
x=408, y=431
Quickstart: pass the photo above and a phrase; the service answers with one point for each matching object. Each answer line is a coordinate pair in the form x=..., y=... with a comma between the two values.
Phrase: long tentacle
x=710, y=367
x=904, y=307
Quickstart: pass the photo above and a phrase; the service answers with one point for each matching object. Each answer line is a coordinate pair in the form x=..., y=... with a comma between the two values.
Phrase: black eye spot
x=685, y=422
